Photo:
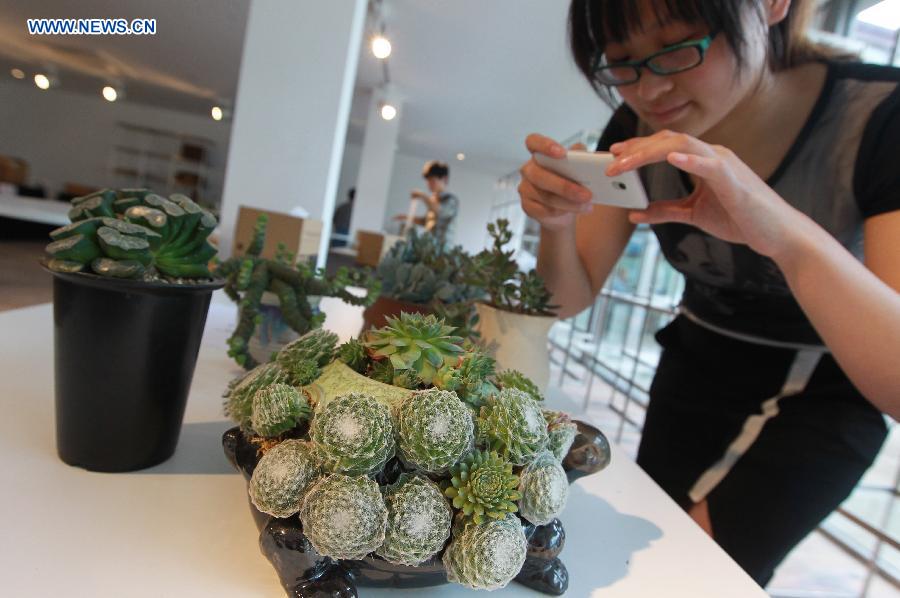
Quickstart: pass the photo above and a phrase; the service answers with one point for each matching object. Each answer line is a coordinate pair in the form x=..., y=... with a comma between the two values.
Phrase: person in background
x=442, y=206
x=771, y=169
x=341, y=222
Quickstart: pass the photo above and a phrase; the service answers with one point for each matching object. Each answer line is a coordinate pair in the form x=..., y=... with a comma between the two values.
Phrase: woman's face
x=695, y=100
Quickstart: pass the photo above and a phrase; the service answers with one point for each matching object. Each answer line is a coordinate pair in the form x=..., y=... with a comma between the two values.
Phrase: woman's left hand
x=729, y=200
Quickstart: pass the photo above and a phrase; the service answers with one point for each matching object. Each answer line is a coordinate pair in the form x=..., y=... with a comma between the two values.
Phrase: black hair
x=592, y=23
x=437, y=169
x=351, y=194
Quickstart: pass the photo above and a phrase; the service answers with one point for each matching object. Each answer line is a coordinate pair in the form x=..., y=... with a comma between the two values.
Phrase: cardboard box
x=371, y=246
x=300, y=235
x=13, y=170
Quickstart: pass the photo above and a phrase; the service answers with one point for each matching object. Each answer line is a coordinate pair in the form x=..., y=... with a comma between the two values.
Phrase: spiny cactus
x=315, y=348
x=248, y=276
x=344, y=516
x=516, y=379
x=486, y=556
x=354, y=433
x=561, y=431
x=419, y=520
x=415, y=342
x=132, y=233
x=282, y=477
x=277, y=409
x=544, y=489
x=483, y=486
x=434, y=430
x=353, y=353
x=475, y=371
x=512, y=424
x=239, y=396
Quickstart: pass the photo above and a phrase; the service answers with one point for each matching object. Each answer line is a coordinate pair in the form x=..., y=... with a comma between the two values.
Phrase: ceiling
x=477, y=76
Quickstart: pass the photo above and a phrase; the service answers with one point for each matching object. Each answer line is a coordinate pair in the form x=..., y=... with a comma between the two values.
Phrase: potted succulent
x=420, y=275
x=276, y=298
x=131, y=290
x=403, y=459
x=517, y=313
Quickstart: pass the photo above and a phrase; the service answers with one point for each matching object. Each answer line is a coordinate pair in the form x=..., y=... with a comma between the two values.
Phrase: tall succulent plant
x=134, y=233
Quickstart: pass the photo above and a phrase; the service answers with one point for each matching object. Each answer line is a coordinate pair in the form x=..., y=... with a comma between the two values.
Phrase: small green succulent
x=354, y=434
x=544, y=488
x=475, y=371
x=561, y=431
x=434, y=430
x=353, y=353
x=239, y=396
x=483, y=486
x=282, y=477
x=419, y=520
x=416, y=342
x=512, y=424
x=344, y=516
x=486, y=556
x=277, y=409
x=516, y=379
x=315, y=348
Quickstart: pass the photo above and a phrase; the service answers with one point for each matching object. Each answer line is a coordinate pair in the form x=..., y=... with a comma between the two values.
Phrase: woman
x=775, y=190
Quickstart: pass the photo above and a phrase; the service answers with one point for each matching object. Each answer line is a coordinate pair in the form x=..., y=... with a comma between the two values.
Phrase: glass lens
x=676, y=60
x=617, y=75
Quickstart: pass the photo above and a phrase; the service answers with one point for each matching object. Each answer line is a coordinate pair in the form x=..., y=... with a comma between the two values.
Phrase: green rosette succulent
x=561, y=431
x=277, y=409
x=483, y=486
x=512, y=424
x=344, y=516
x=486, y=556
x=282, y=477
x=353, y=353
x=239, y=396
x=302, y=358
x=418, y=523
x=130, y=233
x=354, y=433
x=420, y=343
x=516, y=379
x=544, y=488
x=434, y=430
x=475, y=371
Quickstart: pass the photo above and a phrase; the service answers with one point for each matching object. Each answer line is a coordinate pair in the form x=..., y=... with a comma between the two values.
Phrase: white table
x=44, y=211
x=183, y=528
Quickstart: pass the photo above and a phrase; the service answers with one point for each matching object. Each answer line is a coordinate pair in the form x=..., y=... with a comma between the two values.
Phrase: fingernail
x=615, y=146
x=678, y=157
x=558, y=149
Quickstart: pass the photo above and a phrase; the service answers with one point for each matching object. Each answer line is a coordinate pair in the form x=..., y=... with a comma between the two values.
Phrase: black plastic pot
x=125, y=353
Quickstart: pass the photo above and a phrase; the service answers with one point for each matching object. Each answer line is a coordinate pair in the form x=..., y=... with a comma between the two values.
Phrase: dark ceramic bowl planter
x=125, y=353
x=304, y=573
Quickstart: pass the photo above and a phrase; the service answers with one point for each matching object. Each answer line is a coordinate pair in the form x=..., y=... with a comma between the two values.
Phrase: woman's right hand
x=554, y=201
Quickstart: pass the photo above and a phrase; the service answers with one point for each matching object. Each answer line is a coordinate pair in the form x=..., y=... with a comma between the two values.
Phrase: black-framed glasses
x=668, y=61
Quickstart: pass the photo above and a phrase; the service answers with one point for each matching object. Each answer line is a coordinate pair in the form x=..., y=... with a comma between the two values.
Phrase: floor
x=817, y=568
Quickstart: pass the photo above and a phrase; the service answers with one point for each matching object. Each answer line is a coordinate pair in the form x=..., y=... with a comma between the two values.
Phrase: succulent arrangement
x=135, y=233
x=405, y=444
x=507, y=287
x=248, y=276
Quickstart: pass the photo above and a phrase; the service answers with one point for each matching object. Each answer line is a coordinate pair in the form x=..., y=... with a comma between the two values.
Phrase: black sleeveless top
x=843, y=168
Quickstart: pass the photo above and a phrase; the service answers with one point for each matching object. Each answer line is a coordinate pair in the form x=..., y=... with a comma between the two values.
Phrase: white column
x=376, y=164
x=291, y=111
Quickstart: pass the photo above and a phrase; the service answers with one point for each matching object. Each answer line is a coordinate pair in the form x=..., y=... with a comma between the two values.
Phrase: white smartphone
x=589, y=169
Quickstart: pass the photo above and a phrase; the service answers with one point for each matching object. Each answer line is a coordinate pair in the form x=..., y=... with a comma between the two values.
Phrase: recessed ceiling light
x=17, y=73
x=216, y=113
x=388, y=112
x=42, y=81
x=460, y=156
x=381, y=47
x=110, y=94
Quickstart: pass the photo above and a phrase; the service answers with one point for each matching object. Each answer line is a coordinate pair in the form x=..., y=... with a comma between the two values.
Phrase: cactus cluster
x=512, y=424
x=434, y=430
x=518, y=380
x=278, y=408
x=344, y=516
x=544, y=489
x=302, y=358
x=419, y=520
x=240, y=393
x=486, y=556
x=354, y=433
x=282, y=477
x=134, y=233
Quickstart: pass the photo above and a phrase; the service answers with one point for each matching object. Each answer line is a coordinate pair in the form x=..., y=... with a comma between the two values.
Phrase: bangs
x=616, y=21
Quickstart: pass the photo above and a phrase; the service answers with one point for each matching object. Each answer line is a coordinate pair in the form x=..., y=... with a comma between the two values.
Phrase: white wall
x=475, y=190
x=68, y=137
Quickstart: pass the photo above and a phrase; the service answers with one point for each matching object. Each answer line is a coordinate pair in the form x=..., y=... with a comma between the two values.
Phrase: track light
x=381, y=47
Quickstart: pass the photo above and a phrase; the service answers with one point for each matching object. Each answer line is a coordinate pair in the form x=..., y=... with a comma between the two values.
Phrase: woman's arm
x=855, y=310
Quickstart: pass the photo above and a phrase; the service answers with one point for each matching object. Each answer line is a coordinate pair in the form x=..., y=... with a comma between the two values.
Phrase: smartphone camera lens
x=620, y=185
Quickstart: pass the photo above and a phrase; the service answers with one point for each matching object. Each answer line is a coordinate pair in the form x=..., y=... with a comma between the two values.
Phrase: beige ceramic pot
x=517, y=341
